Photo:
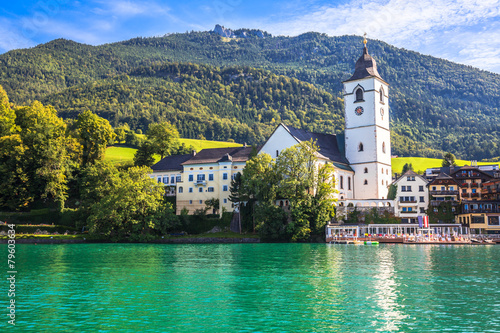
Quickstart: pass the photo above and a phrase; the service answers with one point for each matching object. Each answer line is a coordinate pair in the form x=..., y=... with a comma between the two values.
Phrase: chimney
x=194, y=152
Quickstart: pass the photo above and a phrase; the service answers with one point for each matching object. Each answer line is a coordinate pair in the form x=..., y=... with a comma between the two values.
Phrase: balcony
x=444, y=192
x=200, y=183
x=475, y=195
x=407, y=202
x=474, y=185
x=409, y=212
x=436, y=203
x=464, y=185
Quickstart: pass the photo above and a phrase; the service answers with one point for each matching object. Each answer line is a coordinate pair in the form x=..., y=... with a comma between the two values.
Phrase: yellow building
x=202, y=176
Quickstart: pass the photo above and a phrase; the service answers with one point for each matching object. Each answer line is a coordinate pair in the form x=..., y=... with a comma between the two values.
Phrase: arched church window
x=366, y=170
x=349, y=183
x=360, y=147
x=383, y=147
x=366, y=182
x=359, y=95
x=381, y=95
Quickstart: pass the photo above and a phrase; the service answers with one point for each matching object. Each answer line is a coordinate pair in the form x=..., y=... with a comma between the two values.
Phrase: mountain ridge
x=440, y=104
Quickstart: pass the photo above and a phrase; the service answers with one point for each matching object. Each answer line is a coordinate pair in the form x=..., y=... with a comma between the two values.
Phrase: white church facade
x=362, y=154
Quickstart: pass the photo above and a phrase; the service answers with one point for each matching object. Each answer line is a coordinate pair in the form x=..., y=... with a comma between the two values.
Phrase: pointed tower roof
x=365, y=66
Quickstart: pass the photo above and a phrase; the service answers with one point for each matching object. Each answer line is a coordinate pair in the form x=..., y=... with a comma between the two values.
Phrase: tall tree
x=7, y=115
x=94, y=134
x=449, y=160
x=45, y=156
x=164, y=138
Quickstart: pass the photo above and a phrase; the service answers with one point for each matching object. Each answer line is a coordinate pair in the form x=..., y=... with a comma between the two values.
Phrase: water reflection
x=386, y=293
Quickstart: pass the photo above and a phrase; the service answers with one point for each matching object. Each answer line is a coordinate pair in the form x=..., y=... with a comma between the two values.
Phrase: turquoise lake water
x=255, y=288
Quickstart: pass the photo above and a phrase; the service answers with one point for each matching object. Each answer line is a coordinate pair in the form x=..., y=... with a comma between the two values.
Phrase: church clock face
x=359, y=111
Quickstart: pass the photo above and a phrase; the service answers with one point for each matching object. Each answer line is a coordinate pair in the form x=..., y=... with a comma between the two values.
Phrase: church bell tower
x=367, y=135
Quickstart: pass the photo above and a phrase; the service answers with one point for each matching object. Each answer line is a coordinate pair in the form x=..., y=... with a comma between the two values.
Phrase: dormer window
x=360, y=147
x=359, y=95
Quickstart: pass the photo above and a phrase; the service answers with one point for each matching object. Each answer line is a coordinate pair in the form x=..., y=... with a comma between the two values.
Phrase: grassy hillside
x=120, y=155
x=421, y=163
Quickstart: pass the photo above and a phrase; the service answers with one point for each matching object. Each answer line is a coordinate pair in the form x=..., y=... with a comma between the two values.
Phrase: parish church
x=362, y=154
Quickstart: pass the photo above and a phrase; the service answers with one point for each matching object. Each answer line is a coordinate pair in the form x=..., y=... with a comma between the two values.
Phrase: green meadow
x=421, y=163
x=121, y=154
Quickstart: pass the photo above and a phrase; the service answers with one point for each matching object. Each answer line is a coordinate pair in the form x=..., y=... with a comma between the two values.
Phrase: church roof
x=215, y=155
x=365, y=67
x=330, y=146
x=171, y=163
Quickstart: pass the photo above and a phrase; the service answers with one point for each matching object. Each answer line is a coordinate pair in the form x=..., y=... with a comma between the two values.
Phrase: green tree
x=213, y=204
x=94, y=134
x=132, y=205
x=406, y=167
x=7, y=115
x=393, y=192
x=15, y=193
x=46, y=160
x=164, y=138
x=448, y=160
x=144, y=155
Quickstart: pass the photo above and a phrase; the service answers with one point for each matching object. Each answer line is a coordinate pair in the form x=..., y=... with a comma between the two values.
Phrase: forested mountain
x=436, y=105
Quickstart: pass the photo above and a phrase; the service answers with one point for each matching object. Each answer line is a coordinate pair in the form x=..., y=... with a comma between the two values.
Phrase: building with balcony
x=412, y=197
x=444, y=198
x=471, y=180
x=169, y=170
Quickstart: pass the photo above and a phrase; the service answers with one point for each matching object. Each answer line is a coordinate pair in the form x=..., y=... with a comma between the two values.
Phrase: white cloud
x=123, y=8
x=414, y=25
x=11, y=37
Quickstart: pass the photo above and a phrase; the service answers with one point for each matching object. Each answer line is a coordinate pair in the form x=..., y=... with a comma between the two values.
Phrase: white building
x=412, y=197
x=361, y=156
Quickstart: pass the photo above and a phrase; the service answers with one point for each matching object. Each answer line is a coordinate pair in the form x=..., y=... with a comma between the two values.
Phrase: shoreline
x=193, y=240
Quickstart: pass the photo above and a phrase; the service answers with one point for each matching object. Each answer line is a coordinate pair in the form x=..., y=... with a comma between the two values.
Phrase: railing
x=409, y=212
x=474, y=185
x=407, y=201
x=436, y=203
x=444, y=192
x=466, y=185
x=483, y=210
x=201, y=182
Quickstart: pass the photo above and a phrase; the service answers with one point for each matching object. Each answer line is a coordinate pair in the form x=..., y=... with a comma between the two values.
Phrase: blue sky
x=464, y=31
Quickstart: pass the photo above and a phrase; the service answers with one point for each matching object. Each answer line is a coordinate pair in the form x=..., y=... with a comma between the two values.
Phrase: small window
x=181, y=189
x=211, y=176
x=382, y=170
x=421, y=188
x=434, y=188
x=387, y=171
x=210, y=189
x=366, y=182
x=191, y=178
x=200, y=177
x=422, y=199
x=190, y=202
x=224, y=175
x=359, y=95
x=349, y=183
x=443, y=188
x=224, y=188
x=201, y=202
x=383, y=147
x=172, y=180
x=200, y=189
x=225, y=201
x=158, y=179
x=165, y=180
x=403, y=188
x=422, y=210
x=190, y=190
x=408, y=188
x=178, y=178
x=452, y=188
x=382, y=182
x=360, y=147
x=366, y=170
x=341, y=182
x=381, y=95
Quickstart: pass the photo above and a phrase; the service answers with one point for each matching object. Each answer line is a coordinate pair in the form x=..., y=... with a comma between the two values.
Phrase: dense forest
x=222, y=88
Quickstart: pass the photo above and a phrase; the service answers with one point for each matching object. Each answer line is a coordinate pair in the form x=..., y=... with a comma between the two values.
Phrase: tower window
x=366, y=170
x=383, y=147
x=360, y=147
x=359, y=95
x=366, y=182
x=381, y=95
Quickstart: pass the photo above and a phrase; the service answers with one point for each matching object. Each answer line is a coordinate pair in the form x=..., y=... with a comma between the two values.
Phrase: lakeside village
x=444, y=205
